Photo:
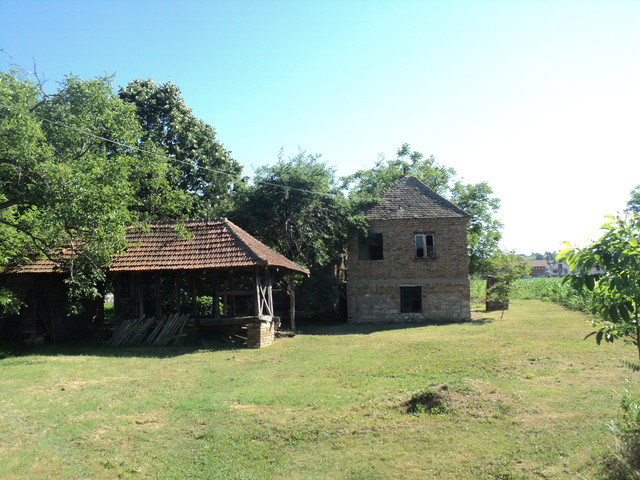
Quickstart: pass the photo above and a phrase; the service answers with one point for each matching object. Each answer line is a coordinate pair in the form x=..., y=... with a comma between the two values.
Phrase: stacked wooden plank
x=171, y=330
x=149, y=331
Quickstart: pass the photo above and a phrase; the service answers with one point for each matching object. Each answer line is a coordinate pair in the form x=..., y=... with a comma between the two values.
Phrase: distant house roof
x=537, y=263
x=207, y=245
x=410, y=198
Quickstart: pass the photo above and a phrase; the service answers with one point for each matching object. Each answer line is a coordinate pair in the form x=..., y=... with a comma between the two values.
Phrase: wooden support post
x=194, y=294
x=215, y=303
x=157, y=285
x=139, y=294
x=233, y=297
x=175, y=293
x=270, y=292
x=258, y=303
x=292, y=301
x=117, y=295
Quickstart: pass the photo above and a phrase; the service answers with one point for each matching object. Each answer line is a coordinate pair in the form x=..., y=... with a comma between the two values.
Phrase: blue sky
x=540, y=99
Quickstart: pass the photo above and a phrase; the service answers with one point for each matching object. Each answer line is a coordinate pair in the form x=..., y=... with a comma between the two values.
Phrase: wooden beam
x=175, y=292
x=117, y=294
x=270, y=292
x=292, y=301
x=215, y=302
x=139, y=294
x=258, y=302
x=157, y=285
x=194, y=294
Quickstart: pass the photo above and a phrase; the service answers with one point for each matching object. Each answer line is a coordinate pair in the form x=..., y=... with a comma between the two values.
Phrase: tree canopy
x=633, y=205
x=205, y=170
x=484, y=230
x=296, y=207
x=69, y=179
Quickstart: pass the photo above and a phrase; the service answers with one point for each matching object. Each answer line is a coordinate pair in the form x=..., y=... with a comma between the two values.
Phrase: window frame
x=411, y=294
x=425, y=246
x=371, y=246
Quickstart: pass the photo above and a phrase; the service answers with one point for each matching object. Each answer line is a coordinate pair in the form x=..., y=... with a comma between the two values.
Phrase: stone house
x=412, y=265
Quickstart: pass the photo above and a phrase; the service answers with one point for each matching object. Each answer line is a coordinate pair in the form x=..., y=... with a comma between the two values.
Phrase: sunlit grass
x=524, y=397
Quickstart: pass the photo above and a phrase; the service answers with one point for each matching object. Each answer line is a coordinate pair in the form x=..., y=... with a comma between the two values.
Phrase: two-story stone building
x=412, y=265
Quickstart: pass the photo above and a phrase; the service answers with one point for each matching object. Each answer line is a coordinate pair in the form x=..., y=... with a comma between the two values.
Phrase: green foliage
x=9, y=303
x=296, y=207
x=623, y=461
x=633, y=205
x=69, y=184
x=372, y=183
x=204, y=169
x=506, y=269
x=615, y=285
x=484, y=230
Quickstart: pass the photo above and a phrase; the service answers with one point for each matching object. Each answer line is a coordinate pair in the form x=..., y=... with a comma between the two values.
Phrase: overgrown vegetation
x=546, y=289
x=623, y=460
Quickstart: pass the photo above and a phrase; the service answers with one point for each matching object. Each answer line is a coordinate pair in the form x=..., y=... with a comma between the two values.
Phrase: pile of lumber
x=149, y=331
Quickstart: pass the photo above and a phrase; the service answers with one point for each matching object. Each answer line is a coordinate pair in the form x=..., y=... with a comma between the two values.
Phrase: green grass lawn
x=525, y=397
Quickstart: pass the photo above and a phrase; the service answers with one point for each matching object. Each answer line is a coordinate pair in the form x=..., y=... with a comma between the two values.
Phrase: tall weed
x=624, y=459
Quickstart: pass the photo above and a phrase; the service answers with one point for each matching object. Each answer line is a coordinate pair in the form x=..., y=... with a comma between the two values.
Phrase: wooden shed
x=170, y=268
x=211, y=272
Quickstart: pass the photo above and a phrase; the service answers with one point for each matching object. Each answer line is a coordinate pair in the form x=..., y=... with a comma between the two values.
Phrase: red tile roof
x=41, y=265
x=206, y=245
x=537, y=263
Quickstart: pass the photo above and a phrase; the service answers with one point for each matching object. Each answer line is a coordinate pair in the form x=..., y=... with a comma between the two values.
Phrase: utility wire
x=168, y=157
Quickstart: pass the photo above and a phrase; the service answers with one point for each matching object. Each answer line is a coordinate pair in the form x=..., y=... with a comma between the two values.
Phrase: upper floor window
x=370, y=246
x=425, y=245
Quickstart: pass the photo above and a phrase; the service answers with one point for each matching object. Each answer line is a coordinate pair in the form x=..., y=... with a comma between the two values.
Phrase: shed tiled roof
x=208, y=245
x=214, y=244
x=410, y=198
x=39, y=265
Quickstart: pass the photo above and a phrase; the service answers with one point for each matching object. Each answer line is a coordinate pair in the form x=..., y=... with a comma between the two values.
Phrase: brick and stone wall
x=261, y=334
x=373, y=286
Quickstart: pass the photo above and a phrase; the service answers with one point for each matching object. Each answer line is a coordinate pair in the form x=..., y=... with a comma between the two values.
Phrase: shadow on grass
x=341, y=328
x=205, y=343
x=97, y=350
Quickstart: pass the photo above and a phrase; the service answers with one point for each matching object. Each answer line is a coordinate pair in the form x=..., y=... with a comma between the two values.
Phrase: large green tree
x=70, y=180
x=206, y=170
x=296, y=207
x=484, y=230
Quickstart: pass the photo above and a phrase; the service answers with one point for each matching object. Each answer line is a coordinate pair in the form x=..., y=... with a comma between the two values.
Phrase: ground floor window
x=410, y=299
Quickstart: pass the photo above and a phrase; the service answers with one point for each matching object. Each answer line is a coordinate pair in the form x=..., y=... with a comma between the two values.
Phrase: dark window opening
x=410, y=299
x=425, y=246
x=370, y=246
